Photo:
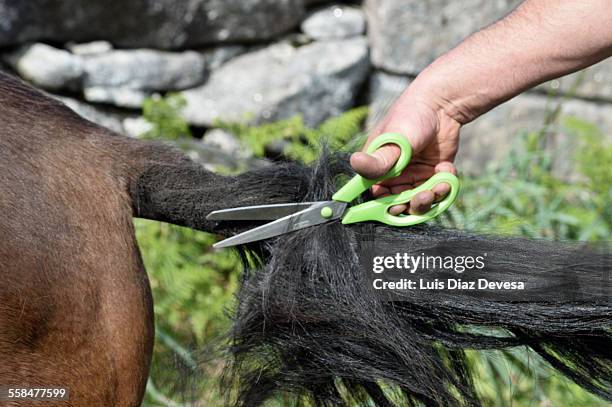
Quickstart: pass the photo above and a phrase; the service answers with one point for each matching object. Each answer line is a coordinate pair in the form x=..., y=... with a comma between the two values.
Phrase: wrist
x=421, y=117
x=442, y=91
x=424, y=99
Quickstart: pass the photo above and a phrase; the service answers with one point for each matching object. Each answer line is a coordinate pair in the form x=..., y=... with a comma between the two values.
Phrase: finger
x=413, y=174
x=446, y=166
x=394, y=210
x=380, y=190
x=377, y=164
x=398, y=189
x=440, y=191
x=398, y=209
x=421, y=203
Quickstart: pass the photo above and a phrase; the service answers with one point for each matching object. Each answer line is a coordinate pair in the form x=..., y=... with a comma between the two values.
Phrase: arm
x=539, y=41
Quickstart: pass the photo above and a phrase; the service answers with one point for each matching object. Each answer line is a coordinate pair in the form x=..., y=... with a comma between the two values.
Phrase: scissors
x=289, y=217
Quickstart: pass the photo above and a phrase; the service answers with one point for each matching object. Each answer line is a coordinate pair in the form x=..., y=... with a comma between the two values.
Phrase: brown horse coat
x=75, y=302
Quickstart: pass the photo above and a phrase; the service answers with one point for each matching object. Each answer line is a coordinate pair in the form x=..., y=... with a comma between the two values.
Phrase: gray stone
x=94, y=114
x=126, y=78
x=136, y=126
x=592, y=83
x=120, y=97
x=336, y=21
x=296, y=39
x=144, y=69
x=122, y=78
x=407, y=35
x=90, y=48
x=217, y=56
x=213, y=157
x=226, y=142
x=47, y=67
x=163, y=24
x=318, y=80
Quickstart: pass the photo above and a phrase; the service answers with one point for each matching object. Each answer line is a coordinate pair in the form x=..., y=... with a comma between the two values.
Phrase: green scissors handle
x=378, y=210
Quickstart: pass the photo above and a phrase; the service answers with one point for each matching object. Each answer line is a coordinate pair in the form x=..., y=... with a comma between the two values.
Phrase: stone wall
x=263, y=60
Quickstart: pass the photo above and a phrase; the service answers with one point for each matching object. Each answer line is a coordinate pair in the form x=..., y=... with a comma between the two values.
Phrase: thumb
x=377, y=164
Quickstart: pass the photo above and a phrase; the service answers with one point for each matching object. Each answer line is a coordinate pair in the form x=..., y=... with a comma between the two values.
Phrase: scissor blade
x=303, y=219
x=259, y=212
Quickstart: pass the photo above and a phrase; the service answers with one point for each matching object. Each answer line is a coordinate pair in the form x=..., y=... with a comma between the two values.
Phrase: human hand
x=434, y=137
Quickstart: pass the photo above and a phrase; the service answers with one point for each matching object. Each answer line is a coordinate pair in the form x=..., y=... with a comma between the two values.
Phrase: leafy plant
x=192, y=287
x=300, y=142
x=523, y=195
x=519, y=377
x=164, y=115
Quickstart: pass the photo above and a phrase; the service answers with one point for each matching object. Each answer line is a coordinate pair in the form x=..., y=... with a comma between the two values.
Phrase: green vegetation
x=193, y=286
x=300, y=142
x=164, y=114
x=519, y=377
x=523, y=195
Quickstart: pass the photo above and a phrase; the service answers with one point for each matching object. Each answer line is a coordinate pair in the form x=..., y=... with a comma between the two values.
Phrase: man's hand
x=539, y=41
x=434, y=137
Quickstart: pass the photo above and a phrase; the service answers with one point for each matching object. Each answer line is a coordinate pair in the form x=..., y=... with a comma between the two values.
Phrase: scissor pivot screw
x=327, y=212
